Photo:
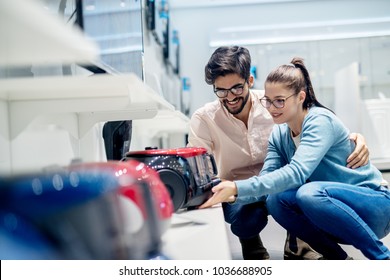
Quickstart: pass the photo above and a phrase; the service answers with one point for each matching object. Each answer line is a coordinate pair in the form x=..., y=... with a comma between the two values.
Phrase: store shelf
x=167, y=121
x=90, y=99
x=63, y=105
x=197, y=235
x=30, y=35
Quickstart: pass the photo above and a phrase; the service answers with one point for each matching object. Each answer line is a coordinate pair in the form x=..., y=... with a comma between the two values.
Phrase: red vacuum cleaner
x=100, y=210
x=189, y=173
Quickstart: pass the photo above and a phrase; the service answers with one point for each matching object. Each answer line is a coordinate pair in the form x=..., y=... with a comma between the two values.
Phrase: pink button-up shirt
x=239, y=152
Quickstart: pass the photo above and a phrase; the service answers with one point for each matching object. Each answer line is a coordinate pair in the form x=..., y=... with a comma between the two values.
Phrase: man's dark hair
x=228, y=60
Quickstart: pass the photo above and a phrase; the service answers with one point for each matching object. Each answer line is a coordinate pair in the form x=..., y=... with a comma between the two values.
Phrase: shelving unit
x=91, y=98
x=166, y=121
x=30, y=35
x=73, y=103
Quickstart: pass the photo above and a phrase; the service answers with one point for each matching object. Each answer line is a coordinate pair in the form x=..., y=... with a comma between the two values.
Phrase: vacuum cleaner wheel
x=175, y=185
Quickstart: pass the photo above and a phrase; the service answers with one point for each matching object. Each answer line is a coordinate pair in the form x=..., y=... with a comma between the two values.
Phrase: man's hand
x=360, y=155
x=223, y=192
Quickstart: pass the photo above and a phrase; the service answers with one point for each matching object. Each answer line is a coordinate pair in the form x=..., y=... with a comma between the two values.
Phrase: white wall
x=161, y=79
x=5, y=154
x=200, y=24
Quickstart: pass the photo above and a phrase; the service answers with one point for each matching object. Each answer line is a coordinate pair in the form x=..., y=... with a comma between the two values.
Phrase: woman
x=311, y=192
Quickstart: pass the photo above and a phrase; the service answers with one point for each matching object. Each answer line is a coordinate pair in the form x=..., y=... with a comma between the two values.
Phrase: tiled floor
x=273, y=237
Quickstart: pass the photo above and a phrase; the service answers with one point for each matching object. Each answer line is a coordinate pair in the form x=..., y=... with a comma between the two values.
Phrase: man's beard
x=239, y=110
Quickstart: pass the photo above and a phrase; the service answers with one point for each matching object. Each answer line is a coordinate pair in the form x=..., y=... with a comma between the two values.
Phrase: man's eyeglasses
x=278, y=103
x=236, y=90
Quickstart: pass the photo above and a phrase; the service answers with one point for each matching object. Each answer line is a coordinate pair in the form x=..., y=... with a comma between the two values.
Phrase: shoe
x=253, y=249
x=296, y=249
x=312, y=255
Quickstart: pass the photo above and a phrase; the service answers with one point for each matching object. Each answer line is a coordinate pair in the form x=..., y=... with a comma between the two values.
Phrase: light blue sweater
x=321, y=156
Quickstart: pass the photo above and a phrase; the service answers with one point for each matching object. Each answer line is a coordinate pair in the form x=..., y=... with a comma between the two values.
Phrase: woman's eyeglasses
x=278, y=103
x=236, y=90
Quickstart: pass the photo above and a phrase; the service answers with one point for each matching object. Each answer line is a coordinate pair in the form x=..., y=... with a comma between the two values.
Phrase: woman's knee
x=308, y=190
x=309, y=193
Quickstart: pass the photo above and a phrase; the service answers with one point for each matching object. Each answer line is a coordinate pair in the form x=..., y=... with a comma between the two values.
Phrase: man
x=235, y=129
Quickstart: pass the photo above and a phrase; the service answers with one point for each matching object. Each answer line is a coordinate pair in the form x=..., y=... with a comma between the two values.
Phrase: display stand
x=197, y=235
x=73, y=103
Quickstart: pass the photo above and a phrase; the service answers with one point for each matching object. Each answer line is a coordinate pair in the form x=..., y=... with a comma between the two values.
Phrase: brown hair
x=228, y=60
x=294, y=76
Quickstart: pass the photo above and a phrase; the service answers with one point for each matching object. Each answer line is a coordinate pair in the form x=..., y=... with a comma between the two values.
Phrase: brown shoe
x=296, y=249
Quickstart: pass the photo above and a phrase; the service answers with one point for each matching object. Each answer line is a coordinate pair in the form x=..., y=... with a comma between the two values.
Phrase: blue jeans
x=326, y=214
x=247, y=220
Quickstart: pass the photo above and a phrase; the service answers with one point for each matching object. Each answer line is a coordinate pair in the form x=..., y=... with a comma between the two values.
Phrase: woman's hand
x=360, y=155
x=223, y=192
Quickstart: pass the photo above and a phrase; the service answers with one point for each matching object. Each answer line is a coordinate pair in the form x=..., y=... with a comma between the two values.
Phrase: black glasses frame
x=222, y=93
x=266, y=102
